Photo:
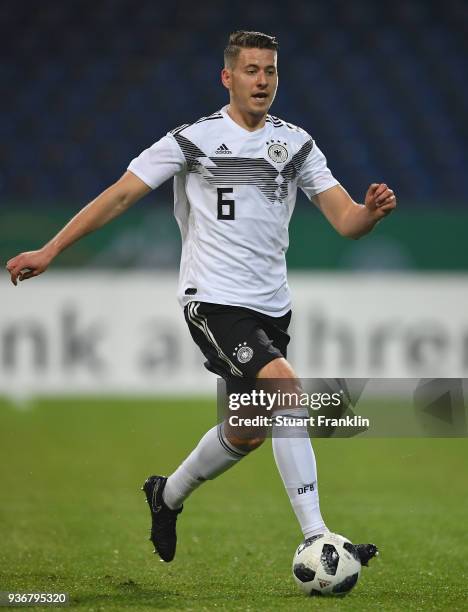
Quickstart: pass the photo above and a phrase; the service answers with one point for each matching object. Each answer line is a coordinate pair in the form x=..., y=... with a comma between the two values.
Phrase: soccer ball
x=326, y=564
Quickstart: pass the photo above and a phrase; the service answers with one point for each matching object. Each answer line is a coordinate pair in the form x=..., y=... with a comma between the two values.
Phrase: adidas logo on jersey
x=223, y=150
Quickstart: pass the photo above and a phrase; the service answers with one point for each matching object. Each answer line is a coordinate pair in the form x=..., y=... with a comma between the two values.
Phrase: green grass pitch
x=72, y=517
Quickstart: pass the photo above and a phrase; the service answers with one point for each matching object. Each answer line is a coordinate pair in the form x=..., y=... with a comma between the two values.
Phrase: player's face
x=253, y=81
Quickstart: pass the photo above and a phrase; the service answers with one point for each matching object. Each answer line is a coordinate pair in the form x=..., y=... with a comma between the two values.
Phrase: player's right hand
x=27, y=265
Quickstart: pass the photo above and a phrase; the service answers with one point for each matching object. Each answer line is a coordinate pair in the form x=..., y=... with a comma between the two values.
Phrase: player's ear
x=226, y=78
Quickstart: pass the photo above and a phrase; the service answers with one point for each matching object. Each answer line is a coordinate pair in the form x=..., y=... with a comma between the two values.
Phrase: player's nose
x=261, y=79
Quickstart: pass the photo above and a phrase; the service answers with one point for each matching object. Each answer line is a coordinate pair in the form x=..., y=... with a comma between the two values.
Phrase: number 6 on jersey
x=225, y=207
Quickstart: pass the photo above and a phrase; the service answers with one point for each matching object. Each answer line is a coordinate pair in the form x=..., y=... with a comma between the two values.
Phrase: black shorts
x=236, y=341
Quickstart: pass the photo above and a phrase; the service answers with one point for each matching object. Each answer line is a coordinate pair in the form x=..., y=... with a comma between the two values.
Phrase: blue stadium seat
x=381, y=86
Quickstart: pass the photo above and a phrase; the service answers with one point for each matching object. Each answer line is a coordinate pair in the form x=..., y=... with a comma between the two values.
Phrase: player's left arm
x=351, y=219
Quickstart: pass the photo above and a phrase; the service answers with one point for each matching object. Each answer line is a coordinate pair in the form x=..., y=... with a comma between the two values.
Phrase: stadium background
x=87, y=85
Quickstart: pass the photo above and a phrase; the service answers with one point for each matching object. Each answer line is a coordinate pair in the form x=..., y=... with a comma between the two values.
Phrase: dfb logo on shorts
x=244, y=353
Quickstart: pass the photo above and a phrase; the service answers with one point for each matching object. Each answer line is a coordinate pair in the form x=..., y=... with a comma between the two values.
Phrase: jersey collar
x=238, y=127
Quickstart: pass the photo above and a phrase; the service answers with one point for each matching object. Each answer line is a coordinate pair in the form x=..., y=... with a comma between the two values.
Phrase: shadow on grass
x=130, y=594
x=126, y=593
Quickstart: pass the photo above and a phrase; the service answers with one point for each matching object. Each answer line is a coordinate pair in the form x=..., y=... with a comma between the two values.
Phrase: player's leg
x=296, y=463
x=216, y=330
x=294, y=454
x=212, y=456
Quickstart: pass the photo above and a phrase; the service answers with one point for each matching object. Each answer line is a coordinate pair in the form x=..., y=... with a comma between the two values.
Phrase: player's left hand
x=380, y=199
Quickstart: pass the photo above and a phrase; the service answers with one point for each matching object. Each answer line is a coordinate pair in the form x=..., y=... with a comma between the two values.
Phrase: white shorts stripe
x=200, y=321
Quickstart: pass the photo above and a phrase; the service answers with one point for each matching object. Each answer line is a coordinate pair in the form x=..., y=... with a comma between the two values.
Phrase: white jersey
x=234, y=194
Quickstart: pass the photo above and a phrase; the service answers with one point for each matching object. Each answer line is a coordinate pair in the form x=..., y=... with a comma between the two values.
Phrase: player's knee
x=278, y=368
x=246, y=444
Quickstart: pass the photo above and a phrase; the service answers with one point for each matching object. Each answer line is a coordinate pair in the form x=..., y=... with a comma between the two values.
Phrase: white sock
x=213, y=455
x=295, y=460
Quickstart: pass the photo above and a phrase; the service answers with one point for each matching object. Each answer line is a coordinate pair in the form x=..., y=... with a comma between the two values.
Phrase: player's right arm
x=111, y=203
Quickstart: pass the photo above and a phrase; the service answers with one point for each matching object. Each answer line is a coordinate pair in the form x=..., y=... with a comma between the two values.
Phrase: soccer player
x=236, y=174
